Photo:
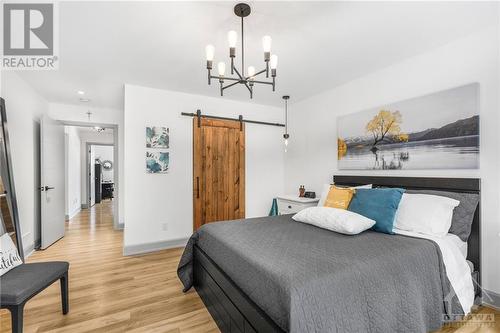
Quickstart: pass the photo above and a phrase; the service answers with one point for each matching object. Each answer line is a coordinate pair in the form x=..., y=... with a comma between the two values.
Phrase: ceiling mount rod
x=240, y=118
x=242, y=49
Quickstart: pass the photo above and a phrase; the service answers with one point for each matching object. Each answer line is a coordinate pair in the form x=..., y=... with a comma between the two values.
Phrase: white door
x=52, y=172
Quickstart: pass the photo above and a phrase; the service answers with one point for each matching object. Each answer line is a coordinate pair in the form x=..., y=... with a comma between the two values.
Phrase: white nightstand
x=291, y=204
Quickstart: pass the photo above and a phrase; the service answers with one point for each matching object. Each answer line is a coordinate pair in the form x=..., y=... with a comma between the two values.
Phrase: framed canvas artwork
x=157, y=137
x=157, y=162
x=436, y=131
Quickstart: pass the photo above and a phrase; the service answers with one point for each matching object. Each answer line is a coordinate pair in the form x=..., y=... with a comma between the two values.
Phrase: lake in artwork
x=437, y=131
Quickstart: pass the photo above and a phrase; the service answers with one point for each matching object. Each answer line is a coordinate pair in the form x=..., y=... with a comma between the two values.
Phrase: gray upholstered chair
x=20, y=284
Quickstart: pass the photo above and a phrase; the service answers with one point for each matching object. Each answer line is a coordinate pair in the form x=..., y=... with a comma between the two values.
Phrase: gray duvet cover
x=309, y=279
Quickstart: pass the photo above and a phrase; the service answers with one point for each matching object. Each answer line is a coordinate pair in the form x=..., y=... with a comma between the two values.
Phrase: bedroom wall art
x=157, y=157
x=157, y=162
x=157, y=137
x=436, y=131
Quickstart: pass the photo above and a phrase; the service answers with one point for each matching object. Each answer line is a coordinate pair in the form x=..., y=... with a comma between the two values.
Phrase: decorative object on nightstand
x=274, y=208
x=310, y=194
x=291, y=204
x=302, y=191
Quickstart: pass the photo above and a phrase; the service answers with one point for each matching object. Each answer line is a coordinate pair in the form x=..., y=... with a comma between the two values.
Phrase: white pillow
x=425, y=214
x=326, y=189
x=9, y=258
x=339, y=220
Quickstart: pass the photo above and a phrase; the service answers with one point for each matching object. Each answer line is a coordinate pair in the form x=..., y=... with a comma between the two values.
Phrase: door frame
x=116, y=165
x=198, y=167
x=87, y=166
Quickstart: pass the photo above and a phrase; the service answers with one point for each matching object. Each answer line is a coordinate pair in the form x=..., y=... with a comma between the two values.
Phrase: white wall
x=73, y=171
x=77, y=114
x=312, y=155
x=105, y=153
x=152, y=200
x=24, y=109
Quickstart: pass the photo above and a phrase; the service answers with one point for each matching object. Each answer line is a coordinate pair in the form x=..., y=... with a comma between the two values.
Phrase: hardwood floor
x=112, y=293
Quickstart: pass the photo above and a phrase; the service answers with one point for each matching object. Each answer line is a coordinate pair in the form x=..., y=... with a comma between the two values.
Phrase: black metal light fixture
x=242, y=10
x=286, y=136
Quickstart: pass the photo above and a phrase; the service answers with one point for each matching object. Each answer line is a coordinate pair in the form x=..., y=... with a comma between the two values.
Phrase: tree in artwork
x=385, y=125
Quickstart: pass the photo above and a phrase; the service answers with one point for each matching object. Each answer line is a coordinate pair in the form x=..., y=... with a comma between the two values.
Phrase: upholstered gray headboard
x=464, y=185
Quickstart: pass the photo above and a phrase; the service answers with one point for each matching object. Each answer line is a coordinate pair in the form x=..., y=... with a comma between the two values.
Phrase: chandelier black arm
x=258, y=73
x=238, y=73
x=248, y=87
x=263, y=82
x=225, y=78
x=230, y=85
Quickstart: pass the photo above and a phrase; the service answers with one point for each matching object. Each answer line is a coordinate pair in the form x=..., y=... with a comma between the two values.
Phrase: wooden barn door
x=218, y=170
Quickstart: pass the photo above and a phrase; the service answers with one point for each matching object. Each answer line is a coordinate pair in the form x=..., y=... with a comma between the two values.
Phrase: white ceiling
x=320, y=44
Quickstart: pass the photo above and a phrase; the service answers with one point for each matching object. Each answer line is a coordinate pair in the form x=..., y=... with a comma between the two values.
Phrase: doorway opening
x=91, y=157
x=100, y=179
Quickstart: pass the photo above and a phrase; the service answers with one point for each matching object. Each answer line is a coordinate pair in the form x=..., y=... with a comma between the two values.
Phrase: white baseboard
x=73, y=214
x=29, y=251
x=491, y=299
x=131, y=250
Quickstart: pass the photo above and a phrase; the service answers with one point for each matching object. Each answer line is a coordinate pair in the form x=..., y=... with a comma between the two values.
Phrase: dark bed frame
x=234, y=311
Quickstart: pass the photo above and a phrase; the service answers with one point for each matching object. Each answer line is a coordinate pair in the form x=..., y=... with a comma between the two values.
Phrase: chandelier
x=249, y=78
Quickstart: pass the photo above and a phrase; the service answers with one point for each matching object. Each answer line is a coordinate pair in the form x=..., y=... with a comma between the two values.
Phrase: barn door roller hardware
x=240, y=119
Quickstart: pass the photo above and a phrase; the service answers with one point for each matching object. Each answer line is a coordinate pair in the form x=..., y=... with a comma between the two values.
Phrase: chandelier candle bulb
x=274, y=61
x=221, y=67
x=251, y=72
x=251, y=75
x=274, y=64
x=210, y=51
x=266, y=44
x=232, y=38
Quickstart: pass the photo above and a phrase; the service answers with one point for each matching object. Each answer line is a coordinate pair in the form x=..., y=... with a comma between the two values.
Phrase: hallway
x=110, y=292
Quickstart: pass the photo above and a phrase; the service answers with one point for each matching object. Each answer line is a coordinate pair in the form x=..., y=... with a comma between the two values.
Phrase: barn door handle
x=197, y=187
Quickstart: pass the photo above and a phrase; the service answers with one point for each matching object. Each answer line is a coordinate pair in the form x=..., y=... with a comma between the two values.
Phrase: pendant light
x=286, y=135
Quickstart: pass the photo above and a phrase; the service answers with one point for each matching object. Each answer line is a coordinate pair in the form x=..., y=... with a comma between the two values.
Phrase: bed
x=253, y=282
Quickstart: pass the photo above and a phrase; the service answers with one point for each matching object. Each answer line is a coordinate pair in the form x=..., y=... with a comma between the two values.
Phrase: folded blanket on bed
x=309, y=279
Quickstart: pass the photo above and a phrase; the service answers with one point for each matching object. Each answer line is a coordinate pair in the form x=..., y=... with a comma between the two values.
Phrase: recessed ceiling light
x=84, y=100
x=80, y=92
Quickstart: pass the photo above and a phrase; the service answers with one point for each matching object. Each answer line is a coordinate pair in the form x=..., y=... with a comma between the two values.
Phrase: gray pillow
x=463, y=215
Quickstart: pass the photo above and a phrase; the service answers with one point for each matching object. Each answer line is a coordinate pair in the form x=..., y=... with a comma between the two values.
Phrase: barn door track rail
x=240, y=119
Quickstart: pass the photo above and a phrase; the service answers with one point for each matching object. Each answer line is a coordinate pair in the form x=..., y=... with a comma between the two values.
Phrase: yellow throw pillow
x=339, y=197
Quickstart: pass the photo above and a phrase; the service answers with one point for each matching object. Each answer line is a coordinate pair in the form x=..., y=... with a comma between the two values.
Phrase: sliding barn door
x=219, y=170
